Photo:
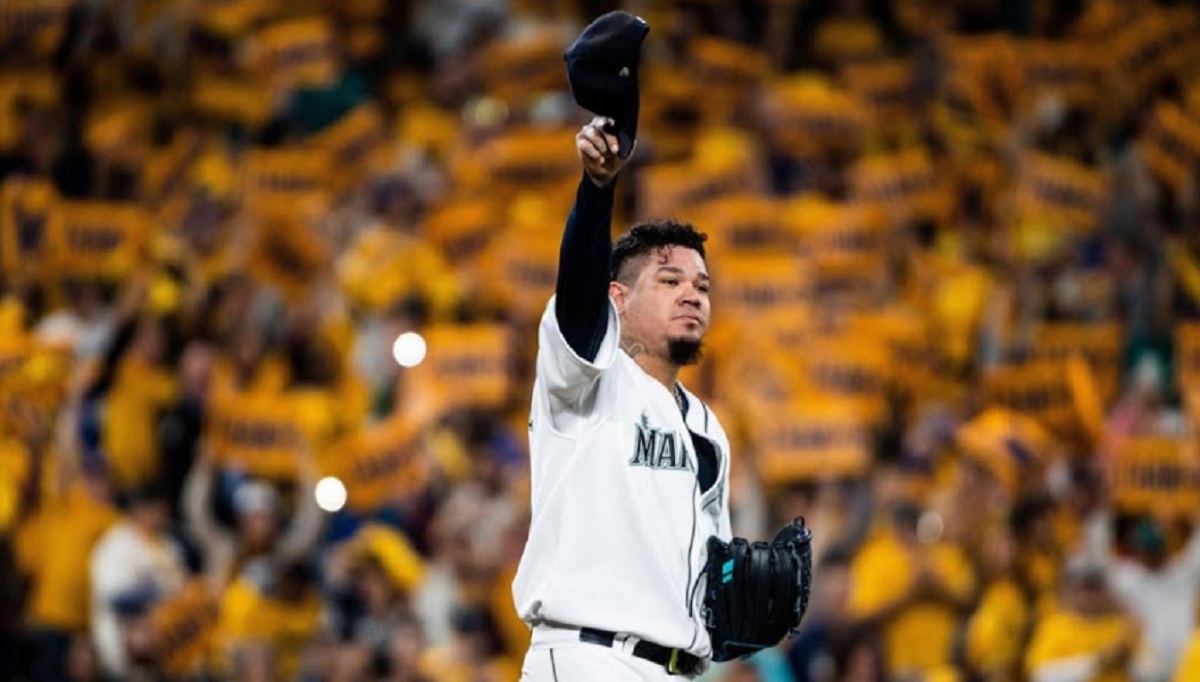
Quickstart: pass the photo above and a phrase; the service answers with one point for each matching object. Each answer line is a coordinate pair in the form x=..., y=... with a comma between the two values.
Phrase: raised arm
x=201, y=524
x=581, y=292
x=306, y=526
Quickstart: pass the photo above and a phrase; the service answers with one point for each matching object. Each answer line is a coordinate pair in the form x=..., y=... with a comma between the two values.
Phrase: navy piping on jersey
x=691, y=603
x=687, y=590
x=706, y=454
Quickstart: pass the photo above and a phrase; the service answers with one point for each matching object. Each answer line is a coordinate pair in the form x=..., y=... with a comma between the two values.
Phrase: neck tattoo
x=632, y=347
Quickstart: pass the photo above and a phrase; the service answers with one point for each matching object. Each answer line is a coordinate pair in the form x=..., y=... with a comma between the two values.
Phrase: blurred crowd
x=247, y=246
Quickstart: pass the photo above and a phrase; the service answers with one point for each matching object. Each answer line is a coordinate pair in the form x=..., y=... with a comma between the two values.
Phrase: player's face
x=668, y=306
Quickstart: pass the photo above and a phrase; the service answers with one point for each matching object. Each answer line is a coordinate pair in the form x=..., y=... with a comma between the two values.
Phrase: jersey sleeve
x=585, y=256
x=563, y=374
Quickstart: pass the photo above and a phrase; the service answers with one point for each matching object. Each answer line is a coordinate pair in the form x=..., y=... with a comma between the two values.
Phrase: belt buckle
x=673, y=664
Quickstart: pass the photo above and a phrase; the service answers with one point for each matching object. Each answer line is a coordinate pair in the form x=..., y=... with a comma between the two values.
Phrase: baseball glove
x=757, y=592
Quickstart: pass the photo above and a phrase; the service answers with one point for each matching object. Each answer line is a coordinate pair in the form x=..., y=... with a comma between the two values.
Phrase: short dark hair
x=645, y=237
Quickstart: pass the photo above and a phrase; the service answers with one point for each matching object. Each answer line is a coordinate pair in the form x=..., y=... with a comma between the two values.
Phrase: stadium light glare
x=409, y=349
x=330, y=493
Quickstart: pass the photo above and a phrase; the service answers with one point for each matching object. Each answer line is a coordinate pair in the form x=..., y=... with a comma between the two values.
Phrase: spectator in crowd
x=59, y=543
x=375, y=575
x=268, y=620
x=1088, y=637
x=998, y=630
x=912, y=584
x=134, y=565
x=1155, y=586
x=827, y=626
x=264, y=539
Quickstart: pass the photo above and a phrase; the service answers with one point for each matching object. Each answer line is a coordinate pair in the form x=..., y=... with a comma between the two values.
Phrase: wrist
x=600, y=183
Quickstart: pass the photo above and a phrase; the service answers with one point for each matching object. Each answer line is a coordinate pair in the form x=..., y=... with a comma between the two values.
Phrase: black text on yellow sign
x=184, y=628
x=98, y=239
x=805, y=442
x=1156, y=475
x=261, y=434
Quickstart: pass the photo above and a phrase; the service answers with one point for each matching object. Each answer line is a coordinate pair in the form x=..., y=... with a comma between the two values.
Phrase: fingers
x=595, y=138
x=594, y=133
x=614, y=145
x=588, y=149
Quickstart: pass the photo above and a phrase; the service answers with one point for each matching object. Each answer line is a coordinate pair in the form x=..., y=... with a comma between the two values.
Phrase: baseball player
x=630, y=470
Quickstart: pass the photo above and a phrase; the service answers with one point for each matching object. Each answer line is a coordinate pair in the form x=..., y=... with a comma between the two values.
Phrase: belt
x=676, y=661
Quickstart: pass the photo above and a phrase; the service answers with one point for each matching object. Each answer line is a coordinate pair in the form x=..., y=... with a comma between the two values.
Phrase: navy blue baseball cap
x=602, y=68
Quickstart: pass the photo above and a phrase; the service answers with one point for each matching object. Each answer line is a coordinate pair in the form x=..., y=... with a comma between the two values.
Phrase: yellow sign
x=34, y=24
x=1060, y=190
x=14, y=351
x=672, y=115
x=851, y=368
x=807, y=440
x=813, y=116
x=184, y=627
x=1187, y=354
x=843, y=240
x=1156, y=475
x=1099, y=344
x=960, y=113
x=523, y=268
x=231, y=99
x=1171, y=145
x=300, y=52
x=730, y=72
x=990, y=59
x=462, y=230
x=378, y=464
x=751, y=287
x=232, y=17
x=466, y=366
x=1072, y=71
x=1037, y=388
x=728, y=63
x=758, y=375
x=905, y=336
x=1157, y=42
x=169, y=168
x=887, y=88
x=260, y=433
x=906, y=184
x=1183, y=263
x=680, y=187
x=99, y=239
x=289, y=255
x=519, y=68
x=350, y=143
x=528, y=157
x=40, y=87
x=26, y=206
x=287, y=182
x=33, y=383
x=745, y=225
x=1089, y=406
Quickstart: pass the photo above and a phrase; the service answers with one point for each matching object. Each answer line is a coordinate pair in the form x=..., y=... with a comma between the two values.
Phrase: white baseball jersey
x=618, y=534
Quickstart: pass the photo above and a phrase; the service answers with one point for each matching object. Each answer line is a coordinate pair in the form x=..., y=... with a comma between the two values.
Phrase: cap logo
x=624, y=72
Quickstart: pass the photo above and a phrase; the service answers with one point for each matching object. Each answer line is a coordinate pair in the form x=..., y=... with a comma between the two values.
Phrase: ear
x=618, y=293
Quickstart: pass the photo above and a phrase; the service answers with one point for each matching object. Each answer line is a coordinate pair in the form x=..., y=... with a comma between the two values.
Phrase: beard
x=683, y=352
